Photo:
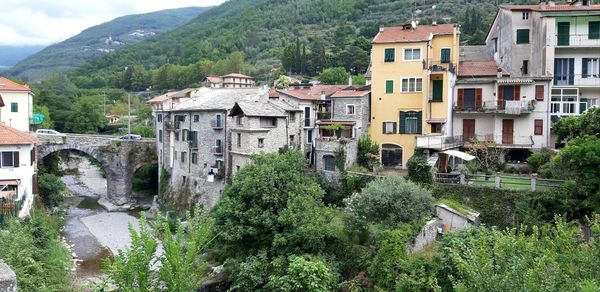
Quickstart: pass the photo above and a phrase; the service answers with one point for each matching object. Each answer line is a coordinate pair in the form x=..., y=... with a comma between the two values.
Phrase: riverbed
x=93, y=233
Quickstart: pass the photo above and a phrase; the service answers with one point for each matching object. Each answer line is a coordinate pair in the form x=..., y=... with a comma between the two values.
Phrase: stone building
x=262, y=126
x=349, y=113
x=192, y=142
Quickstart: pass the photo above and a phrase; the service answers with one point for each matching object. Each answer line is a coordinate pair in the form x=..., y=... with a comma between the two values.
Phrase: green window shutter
x=594, y=30
x=564, y=29
x=445, y=58
x=438, y=90
x=584, y=68
x=419, y=122
x=389, y=86
x=14, y=107
x=402, y=123
x=390, y=55
x=522, y=36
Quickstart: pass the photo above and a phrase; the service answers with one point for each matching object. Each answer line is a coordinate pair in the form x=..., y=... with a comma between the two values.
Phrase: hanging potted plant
x=336, y=128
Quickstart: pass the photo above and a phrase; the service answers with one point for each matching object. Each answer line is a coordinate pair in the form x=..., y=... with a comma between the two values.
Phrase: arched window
x=329, y=162
x=391, y=155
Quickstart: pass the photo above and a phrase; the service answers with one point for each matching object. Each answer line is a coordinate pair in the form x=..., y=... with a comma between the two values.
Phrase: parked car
x=48, y=132
x=129, y=137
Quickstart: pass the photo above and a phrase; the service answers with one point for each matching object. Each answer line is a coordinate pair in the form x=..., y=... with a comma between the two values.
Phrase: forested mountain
x=10, y=55
x=304, y=35
x=99, y=40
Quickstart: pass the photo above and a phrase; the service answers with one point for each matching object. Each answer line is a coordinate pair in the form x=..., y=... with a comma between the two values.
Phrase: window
x=525, y=67
x=309, y=136
x=9, y=159
x=183, y=155
x=239, y=140
x=176, y=136
x=525, y=15
x=160, y=135
x=437, y=91
x=184, y=178
x=261, y=142
x=184, y=135
x=538, y=127
x=239, y=120
x=389, y=127
x=522, y=36
x=390, y=55
x=495, y=45
x=218, y=121
x=292, y=139
x=159, y=118
x=412, y=54
x=389, y=86
x=219, y=146
x=539, y=92
x=350, y=109
x=14, y=107
x=194, y=157
x=590, y=67
x=445, y=57
x=563, y=101
x=268, y=122
x=594, y=30
x=292, y=117
x=329, y=162
x=436, y=128
x=564, y=71
x=410, y=122
x=412, y=84
x=196, y=118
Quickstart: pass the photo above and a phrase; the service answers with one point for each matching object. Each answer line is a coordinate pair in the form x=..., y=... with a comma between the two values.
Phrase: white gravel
x=111, y=229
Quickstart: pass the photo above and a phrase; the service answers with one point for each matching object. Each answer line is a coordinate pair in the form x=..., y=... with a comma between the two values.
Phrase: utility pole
x=129, y=113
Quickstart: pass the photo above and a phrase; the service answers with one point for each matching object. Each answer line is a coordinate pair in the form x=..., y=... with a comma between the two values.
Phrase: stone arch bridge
x=119, y=159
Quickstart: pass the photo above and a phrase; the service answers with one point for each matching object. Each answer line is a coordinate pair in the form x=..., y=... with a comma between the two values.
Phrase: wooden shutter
x=538, y=127
x=564, y=29
x=16, y=159
x=402, y=123
x=584, y=68
x=522, y=36
x=500, y=97
x=438, y=90
x=32, y=154
x=479, y=98
x=383, y=128
x=389, y=86
x=445, y=56
x=461, y=98
x=594, y=30
x=517, y=92
x=394, y=128
x=419, y=122
x=571, y=71
x=539, y=92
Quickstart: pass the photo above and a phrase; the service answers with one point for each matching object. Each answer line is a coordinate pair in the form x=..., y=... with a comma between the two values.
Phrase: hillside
x=99, y=40
x=261, y=29
x=10, y=55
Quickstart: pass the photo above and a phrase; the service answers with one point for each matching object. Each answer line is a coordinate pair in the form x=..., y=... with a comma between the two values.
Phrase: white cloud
x=43, y=22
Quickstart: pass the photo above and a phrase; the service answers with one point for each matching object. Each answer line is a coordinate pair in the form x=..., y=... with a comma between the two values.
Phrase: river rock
x=121, y=202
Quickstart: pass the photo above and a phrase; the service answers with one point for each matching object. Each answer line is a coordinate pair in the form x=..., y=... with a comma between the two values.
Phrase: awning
x=336, y=123
x=432, y=121
x=515, y=81
x=459, y=154
x=12, y=182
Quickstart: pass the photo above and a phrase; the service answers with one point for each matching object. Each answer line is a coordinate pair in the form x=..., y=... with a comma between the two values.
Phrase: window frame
x=408, y=84
x=538, y=124
x=412, y=49
x=394, y=128
x=353, y=106
x=328, y=161
x=386, y=86
x=522, y=41
x=14, y=107
x=442, y=55
x=385, y=59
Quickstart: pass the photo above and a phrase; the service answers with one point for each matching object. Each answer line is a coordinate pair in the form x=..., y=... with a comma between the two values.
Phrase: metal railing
x=439, y=142
x=438, y=66
x=510, y=107
x=217, y=150
x=575, y=40
x=499, y=140
x=216, y=124
x=592, y=79
x=499, y=181
x=323, y=115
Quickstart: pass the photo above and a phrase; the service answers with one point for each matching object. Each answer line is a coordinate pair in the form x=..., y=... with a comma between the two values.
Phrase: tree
x=488, y=155
x=42, y=109
x=144, y=131
x=419, y=170
x=536, y=160
x=301, y=273
x=576, y=126
x=89, y=123
x=51, y=190
x=367, y=153
x=337, y=75
x=392, y=200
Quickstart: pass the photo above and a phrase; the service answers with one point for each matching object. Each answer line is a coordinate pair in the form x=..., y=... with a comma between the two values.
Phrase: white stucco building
x=18, y=104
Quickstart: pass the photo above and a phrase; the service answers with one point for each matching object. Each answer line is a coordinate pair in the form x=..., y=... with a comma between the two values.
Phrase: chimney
x=381, y=28
x=350, y=80
x=434, y=22
x=322, y=94
x=499, y=74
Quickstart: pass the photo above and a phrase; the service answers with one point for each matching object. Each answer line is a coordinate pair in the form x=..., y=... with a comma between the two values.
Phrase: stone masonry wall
x=8, y=279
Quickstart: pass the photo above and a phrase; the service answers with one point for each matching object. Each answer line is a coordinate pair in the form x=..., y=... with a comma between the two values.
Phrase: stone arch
x=391, y=155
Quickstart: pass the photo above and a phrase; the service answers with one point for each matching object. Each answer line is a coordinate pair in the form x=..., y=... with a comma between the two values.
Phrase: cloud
x=43, y=22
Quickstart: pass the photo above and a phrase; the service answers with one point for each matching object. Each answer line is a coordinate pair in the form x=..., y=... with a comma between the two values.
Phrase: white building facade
x=18, y=104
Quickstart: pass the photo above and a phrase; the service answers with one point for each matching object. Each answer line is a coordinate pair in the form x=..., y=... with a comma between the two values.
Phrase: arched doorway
x=391, y=155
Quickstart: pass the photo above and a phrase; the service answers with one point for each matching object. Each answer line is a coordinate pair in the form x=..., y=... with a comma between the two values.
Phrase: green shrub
x=418, y=169
x=536, y=160
x=144, y=131
x=368, y=150
x=51, y=190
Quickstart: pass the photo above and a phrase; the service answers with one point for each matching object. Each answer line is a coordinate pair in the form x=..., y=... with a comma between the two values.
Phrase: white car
x=48, y=132
x=128, y=137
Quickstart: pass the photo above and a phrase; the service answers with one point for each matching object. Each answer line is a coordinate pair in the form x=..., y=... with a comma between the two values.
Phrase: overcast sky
x=44, y=22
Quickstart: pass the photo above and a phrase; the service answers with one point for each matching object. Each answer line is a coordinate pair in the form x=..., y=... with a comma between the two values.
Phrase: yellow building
x=413, y=74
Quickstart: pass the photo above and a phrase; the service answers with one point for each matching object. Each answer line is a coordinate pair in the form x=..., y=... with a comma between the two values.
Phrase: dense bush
x=536, y=160
x=418, y=169
x=52, y=190
x=392, y=200
x=368, y=151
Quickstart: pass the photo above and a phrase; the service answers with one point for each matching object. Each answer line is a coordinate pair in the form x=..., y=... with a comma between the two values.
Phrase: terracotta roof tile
x=350, y=93
x=313, y=92
x=237, y=75
x=1, y=101
x=214, y=79
x=9, y=85
x=12, y=136
x=479, y=69
x=559, y=7
x=397, y=34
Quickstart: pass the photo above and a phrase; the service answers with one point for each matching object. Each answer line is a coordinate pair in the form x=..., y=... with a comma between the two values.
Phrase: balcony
x=217, y=150
x=588, y=80
x=324, y=115
x=574, y=40
x=440, y=143
x=502, y=141
x=439, y=66
x=509, y=107
x=172, y=126
x=216, y=124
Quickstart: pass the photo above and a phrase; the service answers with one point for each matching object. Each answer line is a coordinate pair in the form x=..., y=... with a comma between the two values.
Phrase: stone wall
x=8, y=279
x=328, y=146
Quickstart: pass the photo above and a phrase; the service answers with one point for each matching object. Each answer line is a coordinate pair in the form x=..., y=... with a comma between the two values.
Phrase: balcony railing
x=438, y=66
x=170, y=125
x=575, y=40
x=499, y=140
x=216, y=124
x=509, y=107
x=324, y=116
x=217, y=150
x=439, y=142
x=577, y=79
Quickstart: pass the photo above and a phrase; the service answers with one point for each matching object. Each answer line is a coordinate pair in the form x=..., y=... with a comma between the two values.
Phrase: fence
x=9, y=208
x=532, y=183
